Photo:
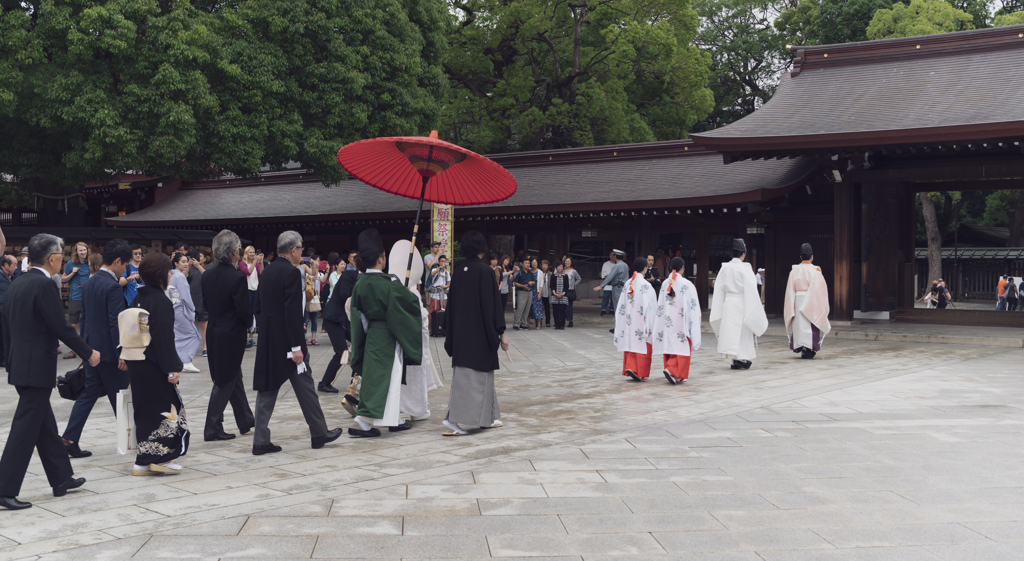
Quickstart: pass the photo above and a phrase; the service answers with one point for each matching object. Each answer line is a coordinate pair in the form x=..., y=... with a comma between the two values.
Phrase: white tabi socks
x=453, y=426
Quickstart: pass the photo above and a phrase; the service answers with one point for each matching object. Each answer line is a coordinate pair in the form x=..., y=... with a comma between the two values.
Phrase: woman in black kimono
x=159, y=412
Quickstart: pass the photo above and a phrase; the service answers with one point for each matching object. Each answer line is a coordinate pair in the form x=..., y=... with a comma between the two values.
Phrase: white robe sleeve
x=693, y=316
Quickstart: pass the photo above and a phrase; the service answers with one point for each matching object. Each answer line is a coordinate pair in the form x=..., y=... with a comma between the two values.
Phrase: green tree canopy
x=534, y=74
x=1015, y=18
x=747, y=54
x=91, y=88
x=921, y=17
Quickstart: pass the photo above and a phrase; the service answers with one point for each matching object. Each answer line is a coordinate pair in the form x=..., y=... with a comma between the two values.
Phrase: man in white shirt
x=440, y=279
x=606, y=299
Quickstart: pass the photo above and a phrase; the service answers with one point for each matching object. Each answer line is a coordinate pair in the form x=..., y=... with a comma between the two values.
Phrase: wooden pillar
x=845, y=232
x=647, y=241
x=543, y=246
x=703, y=258
x=772, y=271
x=561, y=240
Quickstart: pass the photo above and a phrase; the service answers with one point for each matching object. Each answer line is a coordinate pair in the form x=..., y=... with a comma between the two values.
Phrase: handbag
x=310, y=293
x=71, y=384
x=126, y=437
x=314, y=304
x=571, y=294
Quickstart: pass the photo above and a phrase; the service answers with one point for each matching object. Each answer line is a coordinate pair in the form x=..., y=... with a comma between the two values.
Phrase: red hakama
x=678, y=366
x=637, y=363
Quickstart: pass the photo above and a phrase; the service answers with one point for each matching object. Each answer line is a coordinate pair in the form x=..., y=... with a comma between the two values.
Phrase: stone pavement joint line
x=877, y=449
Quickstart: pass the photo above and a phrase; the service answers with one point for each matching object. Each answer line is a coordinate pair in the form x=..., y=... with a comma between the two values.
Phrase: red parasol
x=427, y=169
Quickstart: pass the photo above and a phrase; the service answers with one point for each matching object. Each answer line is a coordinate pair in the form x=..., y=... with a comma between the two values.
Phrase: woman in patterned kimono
x=677, y=324
x=634, y=323
x=159, y=412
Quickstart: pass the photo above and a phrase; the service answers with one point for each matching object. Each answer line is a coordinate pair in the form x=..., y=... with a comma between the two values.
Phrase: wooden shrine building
x=835, y=158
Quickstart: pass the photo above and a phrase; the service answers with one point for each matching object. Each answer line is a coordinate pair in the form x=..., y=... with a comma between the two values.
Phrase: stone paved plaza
x=876, y=450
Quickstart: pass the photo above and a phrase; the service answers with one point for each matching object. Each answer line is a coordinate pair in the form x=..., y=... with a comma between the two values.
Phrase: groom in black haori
x=475, y=329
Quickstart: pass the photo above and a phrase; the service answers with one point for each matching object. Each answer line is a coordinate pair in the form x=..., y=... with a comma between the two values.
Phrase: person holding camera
x=251, y=266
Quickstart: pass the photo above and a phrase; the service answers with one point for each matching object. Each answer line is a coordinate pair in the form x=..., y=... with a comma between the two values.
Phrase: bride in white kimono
x=421, y=378
x=677, y=323
x=737, y=316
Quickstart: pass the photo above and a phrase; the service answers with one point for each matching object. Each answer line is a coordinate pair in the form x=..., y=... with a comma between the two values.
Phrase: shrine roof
x=964, y=87
x=652, y=175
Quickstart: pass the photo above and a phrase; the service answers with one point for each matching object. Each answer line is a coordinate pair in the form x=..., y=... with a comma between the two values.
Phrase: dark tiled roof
x=939, y=88
x=689, y=179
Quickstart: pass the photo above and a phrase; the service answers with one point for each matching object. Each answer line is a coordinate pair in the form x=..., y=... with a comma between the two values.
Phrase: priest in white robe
x=806, y=307
x=737, y=316
x=677, y=323
x=634, y=323
x=421, y=378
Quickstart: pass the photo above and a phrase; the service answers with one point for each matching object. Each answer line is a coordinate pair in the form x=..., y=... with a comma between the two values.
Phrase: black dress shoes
x=221, y=436
x=806, y=353
x=327, y=388
x=63, y=488
x=74, y=451
x=740, y=364
x=245, y=430
x=331, y=436
x=360, y=433
x=12, y=503
x=406, y=425
x=570, y=324
x=260, y=449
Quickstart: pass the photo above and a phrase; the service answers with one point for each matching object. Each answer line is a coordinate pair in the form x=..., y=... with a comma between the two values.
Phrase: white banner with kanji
x=441, y=227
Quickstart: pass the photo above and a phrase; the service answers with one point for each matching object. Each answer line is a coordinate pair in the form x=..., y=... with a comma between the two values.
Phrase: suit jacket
x=226, y=298
x=5, y=283
x=102, y=301
x=334, y=309
x=33, y=321
x=279, y=304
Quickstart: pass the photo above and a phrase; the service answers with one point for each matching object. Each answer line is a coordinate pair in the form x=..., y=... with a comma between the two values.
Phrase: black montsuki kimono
x=160, y=423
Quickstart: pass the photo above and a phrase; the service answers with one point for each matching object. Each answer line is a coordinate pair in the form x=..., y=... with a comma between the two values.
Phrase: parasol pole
x=415, y=230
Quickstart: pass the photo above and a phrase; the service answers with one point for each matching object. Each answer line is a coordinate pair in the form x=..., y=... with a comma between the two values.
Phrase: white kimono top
x=737, y=315
x=634, y=317
x=678, y=318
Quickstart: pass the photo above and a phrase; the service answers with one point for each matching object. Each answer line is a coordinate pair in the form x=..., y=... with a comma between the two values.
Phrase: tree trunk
x=931, y=227
x=503, y=245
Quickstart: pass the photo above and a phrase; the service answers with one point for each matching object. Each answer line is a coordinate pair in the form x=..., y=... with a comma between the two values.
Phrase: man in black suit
x=226, y=299
x=102, y=301
x=281, y=354
x=336, y=324
x=33, y=321
x=8, y=265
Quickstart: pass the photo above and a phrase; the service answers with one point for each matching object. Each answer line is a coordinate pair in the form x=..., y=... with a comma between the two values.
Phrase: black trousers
x=547, y=309
x=559, y=312
x=504, y=301
x=33, y=427
x=232, y=392
x=568, y=311
x=103, y=380
x=337, y=334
